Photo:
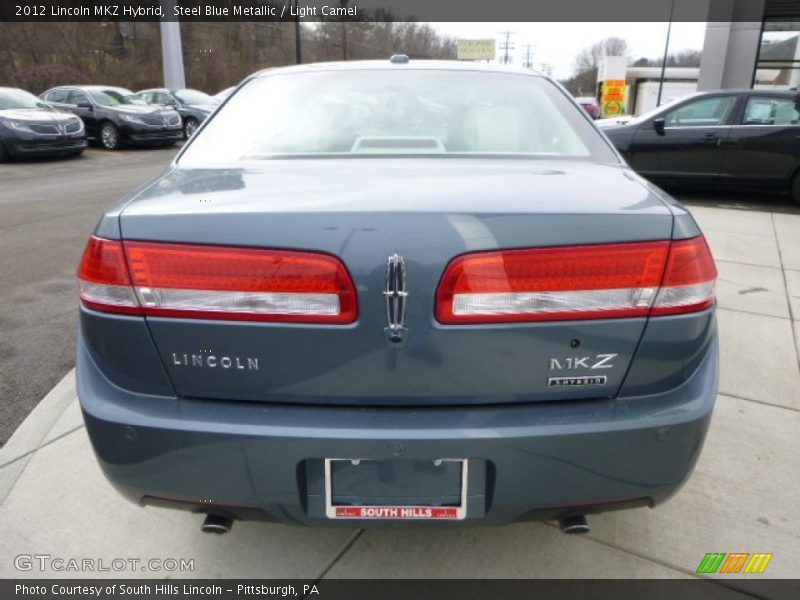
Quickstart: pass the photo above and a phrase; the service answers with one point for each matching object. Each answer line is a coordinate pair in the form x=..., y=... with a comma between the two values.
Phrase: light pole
x=298, y=46
x=343, y=4
x=666, y=50
x=172, y=50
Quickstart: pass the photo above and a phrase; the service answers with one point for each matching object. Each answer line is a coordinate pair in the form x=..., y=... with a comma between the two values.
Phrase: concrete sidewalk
x=743, y=496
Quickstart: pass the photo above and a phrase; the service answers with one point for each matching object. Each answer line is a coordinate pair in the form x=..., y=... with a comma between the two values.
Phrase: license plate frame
x=376, y=512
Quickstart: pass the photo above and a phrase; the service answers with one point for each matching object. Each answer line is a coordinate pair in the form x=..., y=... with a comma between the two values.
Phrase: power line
x=528, y=64
x=507, y=45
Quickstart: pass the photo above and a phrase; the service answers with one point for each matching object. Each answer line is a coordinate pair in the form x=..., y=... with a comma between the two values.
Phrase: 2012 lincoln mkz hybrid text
x=397, y=291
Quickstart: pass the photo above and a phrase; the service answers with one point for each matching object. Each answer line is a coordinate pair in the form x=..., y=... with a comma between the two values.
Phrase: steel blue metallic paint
x=167, y=427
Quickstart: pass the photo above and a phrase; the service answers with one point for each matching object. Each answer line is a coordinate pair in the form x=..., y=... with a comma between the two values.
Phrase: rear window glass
x=393, y=112
x=771, y=111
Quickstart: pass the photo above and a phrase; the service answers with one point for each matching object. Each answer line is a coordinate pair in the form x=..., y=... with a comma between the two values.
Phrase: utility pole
x=528, y=62
x=506, y=45
x=298, y=46
x=666, y=50
x=343, y=4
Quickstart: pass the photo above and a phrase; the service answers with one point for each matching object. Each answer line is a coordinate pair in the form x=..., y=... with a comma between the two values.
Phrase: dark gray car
x=369, y=292
x=114, y=118
x=193, y=106
x=29, y=127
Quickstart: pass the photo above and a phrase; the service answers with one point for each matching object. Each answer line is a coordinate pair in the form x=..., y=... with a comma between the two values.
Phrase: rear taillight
x=215, y=282
x=104, y=280
x=689, y=279
x=577, y=282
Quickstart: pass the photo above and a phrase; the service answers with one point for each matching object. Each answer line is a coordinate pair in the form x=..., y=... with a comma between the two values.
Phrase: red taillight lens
x=215, y=282
x=574, y=282
x=690, y=278
x=104, y=281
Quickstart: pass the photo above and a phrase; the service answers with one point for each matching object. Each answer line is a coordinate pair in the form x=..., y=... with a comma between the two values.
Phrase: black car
x=113, y=117
x=192, y=105
x=29, y=127
x=747, y=139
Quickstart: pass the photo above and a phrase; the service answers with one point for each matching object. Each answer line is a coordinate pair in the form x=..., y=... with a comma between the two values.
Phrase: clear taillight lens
x=216, y=282
x=577, y=282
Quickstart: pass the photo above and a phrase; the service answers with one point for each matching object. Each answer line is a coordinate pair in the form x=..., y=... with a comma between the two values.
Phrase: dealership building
x=751, y=43
x=748, y=44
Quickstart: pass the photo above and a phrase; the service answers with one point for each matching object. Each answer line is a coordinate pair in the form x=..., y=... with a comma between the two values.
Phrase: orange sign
x=613, y=100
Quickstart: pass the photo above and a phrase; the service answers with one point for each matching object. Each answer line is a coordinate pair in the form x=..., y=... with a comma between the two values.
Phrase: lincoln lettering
x=212, y=361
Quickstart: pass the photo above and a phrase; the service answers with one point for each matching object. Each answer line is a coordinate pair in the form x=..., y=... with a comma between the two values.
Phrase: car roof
x=170, y=90
x=738, y=92
x=421, y=65
x=89, y=87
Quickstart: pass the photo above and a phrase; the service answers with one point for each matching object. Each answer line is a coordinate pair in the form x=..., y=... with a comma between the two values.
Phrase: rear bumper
x=535, y=461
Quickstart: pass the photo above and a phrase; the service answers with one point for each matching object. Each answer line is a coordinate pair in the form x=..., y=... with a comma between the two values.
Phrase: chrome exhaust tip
x=574, y=525
x=216, y=524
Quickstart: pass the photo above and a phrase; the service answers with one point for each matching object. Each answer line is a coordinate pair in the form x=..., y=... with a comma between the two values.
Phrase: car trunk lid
x=426, y=211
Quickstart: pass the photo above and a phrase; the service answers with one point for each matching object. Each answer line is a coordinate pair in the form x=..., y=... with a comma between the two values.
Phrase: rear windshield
x=401, y=113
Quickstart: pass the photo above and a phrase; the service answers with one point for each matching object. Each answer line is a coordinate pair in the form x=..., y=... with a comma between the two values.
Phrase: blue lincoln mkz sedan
x=397, y=291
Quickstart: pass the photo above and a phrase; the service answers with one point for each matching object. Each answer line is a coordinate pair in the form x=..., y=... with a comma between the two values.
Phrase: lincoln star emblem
x=395, y=294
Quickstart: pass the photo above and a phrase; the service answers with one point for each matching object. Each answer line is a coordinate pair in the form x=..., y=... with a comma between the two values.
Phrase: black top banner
x=392, y=10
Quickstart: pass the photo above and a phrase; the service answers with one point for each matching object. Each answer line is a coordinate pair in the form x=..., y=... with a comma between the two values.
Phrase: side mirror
x=658, y=126
x=84, y=105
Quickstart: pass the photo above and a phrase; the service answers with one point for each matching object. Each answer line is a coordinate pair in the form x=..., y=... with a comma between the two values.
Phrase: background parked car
x=113, y=117
x=612, y=121
x=742, y=139
x=192, y=105
x=590, y=105
x=223, y=95
x=29, y=127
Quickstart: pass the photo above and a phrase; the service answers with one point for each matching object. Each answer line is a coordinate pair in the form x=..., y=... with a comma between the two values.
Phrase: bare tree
x=589, y=57
x=682, y=58
x=584, y=81
x=216, y=55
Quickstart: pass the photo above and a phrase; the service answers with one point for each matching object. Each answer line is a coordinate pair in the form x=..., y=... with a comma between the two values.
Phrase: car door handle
x=712, y=138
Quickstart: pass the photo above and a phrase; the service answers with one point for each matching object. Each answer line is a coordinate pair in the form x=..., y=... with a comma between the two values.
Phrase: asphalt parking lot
x=49, y=208
x=53, y=498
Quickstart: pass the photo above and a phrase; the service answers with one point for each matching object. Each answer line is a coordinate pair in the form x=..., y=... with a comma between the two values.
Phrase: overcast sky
x=557, y=44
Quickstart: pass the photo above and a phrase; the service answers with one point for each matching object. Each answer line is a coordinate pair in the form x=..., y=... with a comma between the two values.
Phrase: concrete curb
x=30, y=435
